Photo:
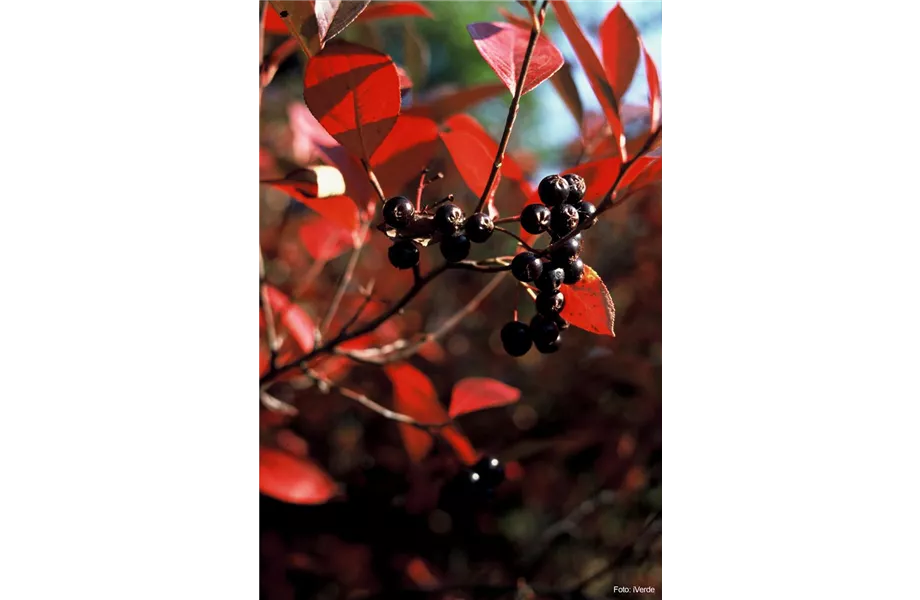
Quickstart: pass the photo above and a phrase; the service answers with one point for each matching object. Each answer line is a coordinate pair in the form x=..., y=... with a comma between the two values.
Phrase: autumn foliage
x=351, y=347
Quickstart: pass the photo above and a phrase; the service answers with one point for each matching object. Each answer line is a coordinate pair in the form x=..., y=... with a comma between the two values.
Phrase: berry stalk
x=515, y=103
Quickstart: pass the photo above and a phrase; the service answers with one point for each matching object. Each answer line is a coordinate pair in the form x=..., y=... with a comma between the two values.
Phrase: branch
x=367, y=300
x=403, y=349
x=513, y=109
x=346, y=277
x=377, y=408
x=515, y=236
x=373, y=179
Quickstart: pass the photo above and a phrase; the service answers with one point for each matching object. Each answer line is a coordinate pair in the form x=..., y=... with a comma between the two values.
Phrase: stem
x=513, y=109
x=515, y=236
x=354, y=318
x=513, y=219
x=346, y=278
x=266, y=306
x=373, y=179
x=421, y=186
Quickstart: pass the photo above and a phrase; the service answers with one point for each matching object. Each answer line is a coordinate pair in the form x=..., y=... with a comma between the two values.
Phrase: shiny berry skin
x=398, y=212
x=574, y=271
x=586, y=212
x=526, y=267
x=403, y=254
x=568, y=250
x=543, y=331
x=535, y=218
x=561, y=323
x=550, y=279
x=516, y=338
x=550, y=303
x=449, y=218
x=577, y=188
x=455, y=248
x=564, y=219
x=479, y=227
x=488, y=472
x=553, y=190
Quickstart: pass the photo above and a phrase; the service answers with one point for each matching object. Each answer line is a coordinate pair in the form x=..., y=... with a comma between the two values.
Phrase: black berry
x=526, y=267
x=488, y=472
x=568, y=250
x=455, y=248
x=549, y=347
x=398, y=212
x=586, y=213
x=516, y=338
x=543, y=330
x=574, y=271
x=550, y=303
x=448, y=219
x=535, y=218
x=564, y=219
x=553, y=190
x=550, y=279
x=577, y=188
x=561, y=323
x=479, y=227
x=403, y=254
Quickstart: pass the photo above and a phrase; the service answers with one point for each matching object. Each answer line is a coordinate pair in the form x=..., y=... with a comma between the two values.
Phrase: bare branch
x=515, y=236
x=265, y=304
x=346, y=277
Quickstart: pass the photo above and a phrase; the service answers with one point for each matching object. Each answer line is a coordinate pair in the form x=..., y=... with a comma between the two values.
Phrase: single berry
x=403, y=254
x=535, y=218
x=564, y=219
x=553, y=190
x=526, y=267
x=449, y=218
x=586, y=213
x=479, y=227
x=543, y=330
x=574, y=271
x=516, y=338
x=488, y=471
x=577, y=188
x=550, y=303
x=549, y=347
x=398, y=212
x=550, y=279
x=568, y=250
x=455, y=248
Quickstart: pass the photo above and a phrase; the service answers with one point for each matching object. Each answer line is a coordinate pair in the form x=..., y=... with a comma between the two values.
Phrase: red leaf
x=620, y=49
x=341, y=210
x=654, y=90
x=588, y=304
x=510, y=168
x=471, y=158
x=593, y=69
x=599, y=175
x=353, y=92
x=478, y=393
x=316, y=22
x=443, y=105
x=420, y=573
x=414, y=395
x=516, y=20
x=293, y=480
x=385, y=10
x=405, y=152
x=274, y=23
x=323, y=239
x=293, y=318
x=503, y=46
x=646, y=170
x=311, y=142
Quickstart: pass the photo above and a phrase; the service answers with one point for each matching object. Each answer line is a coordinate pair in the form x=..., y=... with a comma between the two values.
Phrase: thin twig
x=373, y=179
x=515, y=236
x=403, y=349
x=377, y=408
x=513, y=109
x=513, y=219
x=265, y=303
x=354, y=318
x=346, y=277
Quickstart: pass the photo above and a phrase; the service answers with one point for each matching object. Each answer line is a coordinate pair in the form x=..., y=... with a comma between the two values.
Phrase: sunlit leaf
x=324, y=239
x=471, y=159
x=503, y=46
x=294, y=321
x=478, y=393
x=620, y=49
x=654, y=90
x=314, y=23
x=588, y=304
x=294, y=480
x=407, y=150
x=387, y=10
x=446, y=104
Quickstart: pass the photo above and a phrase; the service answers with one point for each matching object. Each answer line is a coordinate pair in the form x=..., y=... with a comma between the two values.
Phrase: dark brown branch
x=513, y=109
x=354, y=318
x=265, y=304
x=515, y=236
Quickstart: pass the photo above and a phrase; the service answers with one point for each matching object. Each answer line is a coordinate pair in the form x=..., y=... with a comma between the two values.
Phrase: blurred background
x=586, y=434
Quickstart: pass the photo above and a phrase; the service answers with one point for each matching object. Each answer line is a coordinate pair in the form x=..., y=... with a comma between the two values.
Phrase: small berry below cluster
x=487, y=474
x=563, y=210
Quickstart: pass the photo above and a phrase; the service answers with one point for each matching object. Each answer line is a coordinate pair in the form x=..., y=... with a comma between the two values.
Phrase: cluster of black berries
x=563, y=210
x=455, y=230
